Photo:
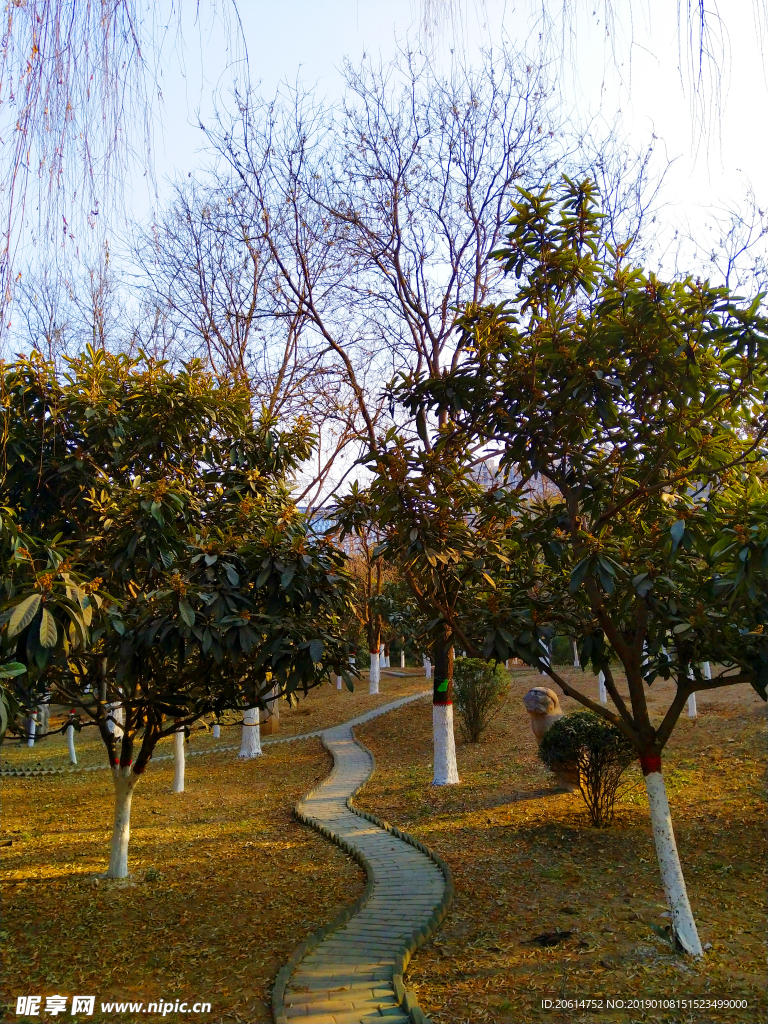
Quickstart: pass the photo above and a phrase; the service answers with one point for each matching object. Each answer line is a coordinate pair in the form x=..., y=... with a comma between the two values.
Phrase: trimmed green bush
x=479, y=688
x=600, y=753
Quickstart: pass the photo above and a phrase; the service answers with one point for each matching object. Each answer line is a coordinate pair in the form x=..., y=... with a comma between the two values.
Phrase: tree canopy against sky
x=181, y=581
x=641, y=403
x=82, y=87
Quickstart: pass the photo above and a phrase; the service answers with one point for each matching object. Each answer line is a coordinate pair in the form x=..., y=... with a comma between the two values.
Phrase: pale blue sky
x=309, y=39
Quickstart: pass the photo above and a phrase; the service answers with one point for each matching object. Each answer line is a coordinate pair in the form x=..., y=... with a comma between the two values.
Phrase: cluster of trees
x=157, y=569
x=629, y=511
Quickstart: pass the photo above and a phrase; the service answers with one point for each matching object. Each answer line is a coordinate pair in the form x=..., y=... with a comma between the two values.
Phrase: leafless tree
x=364, y=228
x=79, y=86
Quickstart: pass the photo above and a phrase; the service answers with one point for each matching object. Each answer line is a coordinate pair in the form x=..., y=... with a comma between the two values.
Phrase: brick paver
x=347, y=978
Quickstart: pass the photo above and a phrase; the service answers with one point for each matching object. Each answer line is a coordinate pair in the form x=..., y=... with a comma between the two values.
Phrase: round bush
x=479, y=688
x=586, y=743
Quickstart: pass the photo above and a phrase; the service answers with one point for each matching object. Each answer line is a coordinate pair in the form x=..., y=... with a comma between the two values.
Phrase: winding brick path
x=348, y=977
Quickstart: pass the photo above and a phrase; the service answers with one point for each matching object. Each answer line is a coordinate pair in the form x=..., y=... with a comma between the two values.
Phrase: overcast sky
x=637, y=67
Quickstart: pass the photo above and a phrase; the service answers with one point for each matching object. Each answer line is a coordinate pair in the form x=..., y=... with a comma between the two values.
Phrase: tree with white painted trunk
x=429, y=509
x=179, y=761
x=250, y=739
x=221, y=598
x=641, y=404
x=374, y=673
x=70, y=732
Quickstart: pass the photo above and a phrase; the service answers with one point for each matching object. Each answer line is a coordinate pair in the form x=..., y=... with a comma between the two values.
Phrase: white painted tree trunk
x=427, y=668
x=602, y=692
x=124, y=780
x=71, y=744
x=683, y=924
x=32, y=731
x=576, y=662
x=339, y=681
x=692, y=712
x=375, y=673
x=547, y=656
x=179, y=762
x=216, y=730
x=383, y=657
x=445, y=771
x=706, y=670
x=250, y=744
x=402, y=659
x=119, y=716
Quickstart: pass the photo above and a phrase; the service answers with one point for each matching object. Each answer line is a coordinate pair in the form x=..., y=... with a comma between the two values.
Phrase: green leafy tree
x=641, y=405
x=479, y=688
x=206, y=591
x=443, y=532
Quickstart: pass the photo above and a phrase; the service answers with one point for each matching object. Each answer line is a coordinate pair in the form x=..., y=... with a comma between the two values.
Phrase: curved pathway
x=352, y=971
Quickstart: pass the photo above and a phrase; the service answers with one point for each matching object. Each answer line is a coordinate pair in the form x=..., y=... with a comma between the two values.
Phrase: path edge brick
x=420, y=936
x=405, y=997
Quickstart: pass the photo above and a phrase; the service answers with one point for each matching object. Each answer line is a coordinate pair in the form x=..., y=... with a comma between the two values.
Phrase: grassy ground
x=225, y=883
x=526, y=862
x=322, y=707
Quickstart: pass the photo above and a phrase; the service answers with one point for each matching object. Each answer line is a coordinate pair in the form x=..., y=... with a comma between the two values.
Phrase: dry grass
x=526, y=861
x=322, y=707
x=240, y=884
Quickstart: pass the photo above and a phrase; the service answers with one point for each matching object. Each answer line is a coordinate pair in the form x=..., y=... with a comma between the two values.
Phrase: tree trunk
x=250, y=744
x=338, y=682
x=43, y=717
x=576, y=662
x=179, y=760
x=692, y=711
x=375, y=674
x=706, y=670
x=444, y=752
x=427, y=668
x=384, y=655
x=270, y=724
x=683, y=924
x=71, y=744
x=119, y=716
x=216, y=730
x=124, y=781
x=402, y=658
x=31, y=730
x=602, y=692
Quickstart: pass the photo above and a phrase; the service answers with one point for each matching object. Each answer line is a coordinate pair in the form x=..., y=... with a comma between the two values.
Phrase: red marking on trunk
x=650, y=763
x=442, y=702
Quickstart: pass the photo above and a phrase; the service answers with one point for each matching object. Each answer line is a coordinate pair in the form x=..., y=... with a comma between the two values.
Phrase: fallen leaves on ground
x=225, y=884
x=526, y=863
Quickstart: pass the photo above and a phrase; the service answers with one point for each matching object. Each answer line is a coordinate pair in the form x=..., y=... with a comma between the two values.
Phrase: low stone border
x=23, y=772
x=285, y=972
x=405, y=997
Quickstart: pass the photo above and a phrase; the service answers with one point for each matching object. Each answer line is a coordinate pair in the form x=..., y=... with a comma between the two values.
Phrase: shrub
x=562, y=650
x=598, y=751
x=479, y=687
